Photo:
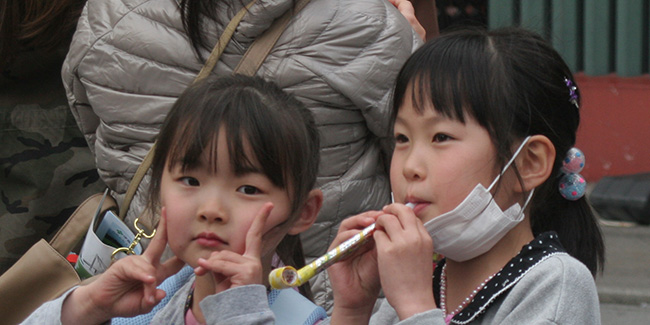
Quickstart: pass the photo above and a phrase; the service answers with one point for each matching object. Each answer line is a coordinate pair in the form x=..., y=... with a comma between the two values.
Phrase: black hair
x=193, y=14
x=278, y=128
x=511, y=81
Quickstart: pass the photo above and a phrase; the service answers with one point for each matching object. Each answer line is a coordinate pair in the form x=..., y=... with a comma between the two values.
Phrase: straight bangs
x=235, y=110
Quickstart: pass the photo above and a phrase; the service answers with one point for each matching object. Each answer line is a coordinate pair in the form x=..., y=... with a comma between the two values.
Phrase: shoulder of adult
x=114, y=39
x=145, y=29
x=378, y=20
x=355, y=47
x=103, y=15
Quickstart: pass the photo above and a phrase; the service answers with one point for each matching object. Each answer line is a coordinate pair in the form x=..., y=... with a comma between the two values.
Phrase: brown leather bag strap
x=222, y=43
x=258, y=51
x=135, y=181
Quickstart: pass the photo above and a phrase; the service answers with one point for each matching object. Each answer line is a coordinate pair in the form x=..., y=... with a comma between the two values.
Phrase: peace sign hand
x=127, y=288
x=230, y=269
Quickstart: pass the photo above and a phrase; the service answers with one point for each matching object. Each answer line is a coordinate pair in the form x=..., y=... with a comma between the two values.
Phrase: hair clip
x=572, y=185
x=573, y=96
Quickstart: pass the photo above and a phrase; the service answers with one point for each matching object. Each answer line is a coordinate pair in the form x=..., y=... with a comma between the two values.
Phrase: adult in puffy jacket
x=130, y=59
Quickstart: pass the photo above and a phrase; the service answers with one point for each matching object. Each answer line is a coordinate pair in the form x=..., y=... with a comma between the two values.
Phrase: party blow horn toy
x=288, y=276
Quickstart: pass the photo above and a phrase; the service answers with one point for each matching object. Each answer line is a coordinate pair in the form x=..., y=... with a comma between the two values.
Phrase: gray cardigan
x=558, y=290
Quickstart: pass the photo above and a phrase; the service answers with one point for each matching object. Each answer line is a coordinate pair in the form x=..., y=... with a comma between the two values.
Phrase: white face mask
x=476, y=224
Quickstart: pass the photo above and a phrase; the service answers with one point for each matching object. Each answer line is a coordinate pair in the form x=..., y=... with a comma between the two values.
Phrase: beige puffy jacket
x=130, y=59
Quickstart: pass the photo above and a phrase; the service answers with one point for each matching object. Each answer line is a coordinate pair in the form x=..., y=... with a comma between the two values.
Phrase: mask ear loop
x=512, y=159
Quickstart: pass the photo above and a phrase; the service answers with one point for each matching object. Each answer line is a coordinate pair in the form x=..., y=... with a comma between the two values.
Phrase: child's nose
x=414, y=166
x=213, y=210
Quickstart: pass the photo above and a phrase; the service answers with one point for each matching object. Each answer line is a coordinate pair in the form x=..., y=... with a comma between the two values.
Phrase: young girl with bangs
x=484, y=124
x=233, y=177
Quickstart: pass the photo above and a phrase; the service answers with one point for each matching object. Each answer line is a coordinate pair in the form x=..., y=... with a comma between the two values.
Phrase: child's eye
x=441, y=137
x=248, y=190
x=190, y=181
x=400, y=138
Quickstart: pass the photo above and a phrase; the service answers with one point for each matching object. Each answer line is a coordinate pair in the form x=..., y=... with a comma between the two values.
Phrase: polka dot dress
x=542, y=247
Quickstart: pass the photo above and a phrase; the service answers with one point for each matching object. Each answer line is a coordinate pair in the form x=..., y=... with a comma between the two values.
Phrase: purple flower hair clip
x=573, y=96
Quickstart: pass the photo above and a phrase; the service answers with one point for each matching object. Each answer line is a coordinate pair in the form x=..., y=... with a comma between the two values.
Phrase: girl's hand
x=127, y=288
x=354, y=279
x=230, y=269
x=404, y=256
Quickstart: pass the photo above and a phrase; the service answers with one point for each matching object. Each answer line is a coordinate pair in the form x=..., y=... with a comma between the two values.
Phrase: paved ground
x=624, y=287
x=624, y=314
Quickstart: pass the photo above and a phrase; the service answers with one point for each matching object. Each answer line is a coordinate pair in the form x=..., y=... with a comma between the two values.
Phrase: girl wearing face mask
x=484, y=123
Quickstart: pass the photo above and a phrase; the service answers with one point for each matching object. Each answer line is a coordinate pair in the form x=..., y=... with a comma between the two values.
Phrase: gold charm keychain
x=135, y=242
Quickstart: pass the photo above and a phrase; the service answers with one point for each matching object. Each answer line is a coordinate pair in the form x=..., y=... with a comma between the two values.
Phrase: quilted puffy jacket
x=130, y=59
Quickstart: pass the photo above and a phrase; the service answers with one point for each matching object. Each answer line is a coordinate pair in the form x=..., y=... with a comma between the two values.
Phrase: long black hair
x=193, y=15
x=279, y=129
x=512, y=82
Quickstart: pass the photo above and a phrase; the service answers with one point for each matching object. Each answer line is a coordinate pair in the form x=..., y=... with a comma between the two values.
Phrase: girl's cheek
x=239, y=244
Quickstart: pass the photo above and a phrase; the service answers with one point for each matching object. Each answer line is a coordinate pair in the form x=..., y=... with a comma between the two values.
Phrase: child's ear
x=535, y=162
x=309, y=212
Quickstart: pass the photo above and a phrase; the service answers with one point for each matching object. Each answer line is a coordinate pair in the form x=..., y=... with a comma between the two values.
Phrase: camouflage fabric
x=46, y=168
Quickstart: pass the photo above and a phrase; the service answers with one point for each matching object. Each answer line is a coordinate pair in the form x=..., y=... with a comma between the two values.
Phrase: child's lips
x=417, y=205
x=209, y=239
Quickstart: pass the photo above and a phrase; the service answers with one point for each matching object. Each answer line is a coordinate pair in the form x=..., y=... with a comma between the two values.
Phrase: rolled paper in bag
x=286, y=277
